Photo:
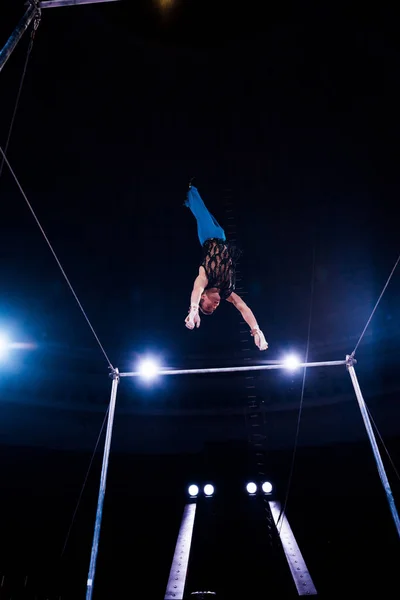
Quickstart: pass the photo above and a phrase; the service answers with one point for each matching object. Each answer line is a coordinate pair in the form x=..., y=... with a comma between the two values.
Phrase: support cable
x=56, y=258
x=84, y=484
x=376, y=306
x=283, y=509
x=382, y=442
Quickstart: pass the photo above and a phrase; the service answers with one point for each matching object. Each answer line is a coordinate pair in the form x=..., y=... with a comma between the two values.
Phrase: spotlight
x=267, y=487
x=193, y=491
x=251, y=487
x=208, y=489
x=148, y=368
x=291, y=362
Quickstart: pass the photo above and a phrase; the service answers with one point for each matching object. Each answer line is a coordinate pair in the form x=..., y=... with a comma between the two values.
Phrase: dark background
x=288, y=118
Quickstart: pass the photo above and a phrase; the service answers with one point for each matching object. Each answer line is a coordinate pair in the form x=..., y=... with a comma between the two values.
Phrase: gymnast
x=216, y=278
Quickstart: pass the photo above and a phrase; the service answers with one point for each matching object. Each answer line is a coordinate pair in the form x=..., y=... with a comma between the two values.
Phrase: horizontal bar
x=332, y=363
x=56, y=3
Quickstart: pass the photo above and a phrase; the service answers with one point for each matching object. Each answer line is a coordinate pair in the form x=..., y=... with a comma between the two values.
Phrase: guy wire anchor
x=350, y=361
x=114, y=373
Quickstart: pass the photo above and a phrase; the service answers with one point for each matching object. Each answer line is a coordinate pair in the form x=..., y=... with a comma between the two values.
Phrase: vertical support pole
x=374, y=445
x=18, y=32
x=102, y=490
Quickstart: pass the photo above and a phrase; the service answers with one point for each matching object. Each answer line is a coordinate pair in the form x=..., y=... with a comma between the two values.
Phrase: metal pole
x=18, y=32
x=264, y=367
x=374, y=445
x=102, y=490
x=56, y=3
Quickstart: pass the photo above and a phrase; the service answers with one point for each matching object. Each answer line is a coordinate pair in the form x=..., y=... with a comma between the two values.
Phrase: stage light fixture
x=208, y=489
x=148, y=368
x=193, y=490
x=251, y=487
x=267, y=487
x=291, y=362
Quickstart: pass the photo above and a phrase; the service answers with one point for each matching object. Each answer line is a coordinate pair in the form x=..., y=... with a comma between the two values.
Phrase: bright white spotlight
x=148, y=368
x=4, y=345
x=251, y=487
x=208, y=489
x=291, y=362
x=193, y=490
x=267, y=487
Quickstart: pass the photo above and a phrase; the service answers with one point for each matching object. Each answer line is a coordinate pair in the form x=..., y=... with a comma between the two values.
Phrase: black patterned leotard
x=219, y=262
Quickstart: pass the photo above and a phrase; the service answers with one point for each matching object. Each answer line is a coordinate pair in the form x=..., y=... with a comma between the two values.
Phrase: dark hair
x=205, y=312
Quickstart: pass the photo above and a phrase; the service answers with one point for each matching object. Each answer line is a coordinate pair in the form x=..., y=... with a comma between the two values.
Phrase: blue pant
x=207, y=225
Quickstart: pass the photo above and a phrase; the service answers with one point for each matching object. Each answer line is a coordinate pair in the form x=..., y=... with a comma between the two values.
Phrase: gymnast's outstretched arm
x=200, y=284
x=250, y=319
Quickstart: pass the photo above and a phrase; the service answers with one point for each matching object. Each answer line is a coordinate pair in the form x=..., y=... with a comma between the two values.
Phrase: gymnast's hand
x=259, y=339
x=193, y=318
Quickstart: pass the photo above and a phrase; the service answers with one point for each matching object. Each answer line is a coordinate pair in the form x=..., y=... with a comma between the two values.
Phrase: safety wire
x=56, y=259
x=283, y=509
x=36, y=24
x=383, y=443
x=376, y=305
x=84, y=484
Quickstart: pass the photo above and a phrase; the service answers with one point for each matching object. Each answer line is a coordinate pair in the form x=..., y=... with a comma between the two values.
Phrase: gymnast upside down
x=216, y=278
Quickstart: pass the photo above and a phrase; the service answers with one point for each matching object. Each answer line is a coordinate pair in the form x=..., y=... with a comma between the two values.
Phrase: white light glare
x=267, y=487
x=4, y=345
x=208, y=489
x=148, y=368
x=193, y=490
x=291, y=362
x=251, y=487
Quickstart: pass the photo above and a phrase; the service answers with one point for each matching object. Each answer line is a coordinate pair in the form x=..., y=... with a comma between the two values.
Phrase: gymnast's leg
x=207, y=226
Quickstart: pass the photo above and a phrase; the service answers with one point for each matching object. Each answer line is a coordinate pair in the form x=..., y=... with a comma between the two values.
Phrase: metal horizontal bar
x=332, y=363
x=57, y=3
